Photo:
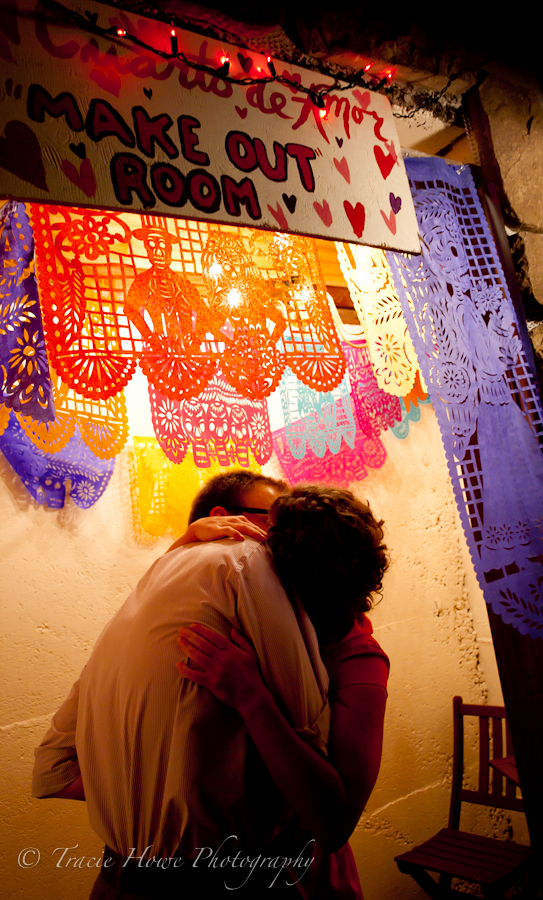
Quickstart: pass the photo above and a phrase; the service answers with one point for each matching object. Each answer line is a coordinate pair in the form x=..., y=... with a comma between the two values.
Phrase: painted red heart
x=384, y=161
x=356, y=215
x=390, y=220
x=241, y=112
x=279, y=216
x=83, y=179
x=245, y=62
x=323, y=212
x=20, y=154
x=343, y=168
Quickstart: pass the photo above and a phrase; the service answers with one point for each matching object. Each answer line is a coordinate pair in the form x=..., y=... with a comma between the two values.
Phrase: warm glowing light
x=121, y=32
x=215, y=270
x=234, y=298
x=225, y=59
x=368, y=67
x=172, y=32
x=304, y=294
x=323, y=113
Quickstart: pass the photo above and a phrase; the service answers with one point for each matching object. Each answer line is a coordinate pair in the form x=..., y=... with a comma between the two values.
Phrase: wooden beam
x=520, y=664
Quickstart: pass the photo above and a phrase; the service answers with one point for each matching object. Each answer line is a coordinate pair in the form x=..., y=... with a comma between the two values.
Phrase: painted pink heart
x=391, y=149
x=279, y=216
x=390, y=220
x=384, y=161
x=395, y=203
x=363, y=98
x=83, y=179
x=343, y=168
x=324, y=213
x=241, y=112
x=20, y=154
x=356, y=215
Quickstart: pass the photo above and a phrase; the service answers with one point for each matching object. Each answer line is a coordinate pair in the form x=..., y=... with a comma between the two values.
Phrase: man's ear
x=218, y=511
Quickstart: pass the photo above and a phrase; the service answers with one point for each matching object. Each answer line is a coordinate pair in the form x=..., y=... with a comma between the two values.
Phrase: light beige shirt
x=164, y=764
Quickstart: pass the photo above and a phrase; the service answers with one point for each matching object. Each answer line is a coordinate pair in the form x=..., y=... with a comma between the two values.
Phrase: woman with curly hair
x=329, y=553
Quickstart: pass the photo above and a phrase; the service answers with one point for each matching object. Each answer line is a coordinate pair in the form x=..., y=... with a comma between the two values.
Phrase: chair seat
x=466, y=856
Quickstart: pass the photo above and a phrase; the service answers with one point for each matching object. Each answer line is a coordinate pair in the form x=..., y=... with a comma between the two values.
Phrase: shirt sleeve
x=361, y=670
x=56, y=764
x=287, y=648
x=357, y=661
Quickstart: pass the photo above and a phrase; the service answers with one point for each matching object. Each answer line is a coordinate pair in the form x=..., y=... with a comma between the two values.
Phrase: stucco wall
x=65, y=572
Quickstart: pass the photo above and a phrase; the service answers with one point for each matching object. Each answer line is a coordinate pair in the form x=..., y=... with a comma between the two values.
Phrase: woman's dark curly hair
x=328, y=547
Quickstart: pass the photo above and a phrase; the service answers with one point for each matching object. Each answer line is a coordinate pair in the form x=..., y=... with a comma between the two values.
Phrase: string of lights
x=431, y=101
x=318, y=95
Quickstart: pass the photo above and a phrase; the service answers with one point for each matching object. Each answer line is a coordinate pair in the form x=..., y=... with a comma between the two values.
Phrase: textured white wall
x=66, y=571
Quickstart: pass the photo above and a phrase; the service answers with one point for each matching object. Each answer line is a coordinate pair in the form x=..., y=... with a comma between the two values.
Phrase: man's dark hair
x=227, y=489
x=328, y=547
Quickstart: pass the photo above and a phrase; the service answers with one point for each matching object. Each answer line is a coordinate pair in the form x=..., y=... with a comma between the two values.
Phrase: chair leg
x=532, y=888
x=427, y=883
x=445, y=883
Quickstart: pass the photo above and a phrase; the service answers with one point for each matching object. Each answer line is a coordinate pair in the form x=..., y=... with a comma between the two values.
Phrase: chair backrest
x=493, y=789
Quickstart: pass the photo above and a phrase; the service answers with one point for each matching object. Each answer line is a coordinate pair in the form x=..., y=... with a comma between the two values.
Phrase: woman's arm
x=213, y=528
x=328, y=795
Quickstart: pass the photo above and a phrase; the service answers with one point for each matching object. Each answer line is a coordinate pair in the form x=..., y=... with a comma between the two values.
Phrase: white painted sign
x=95, y=120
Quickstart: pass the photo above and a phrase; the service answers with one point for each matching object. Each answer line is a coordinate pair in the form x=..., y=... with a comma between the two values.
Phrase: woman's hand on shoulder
x=228, y=668
x=214, y=528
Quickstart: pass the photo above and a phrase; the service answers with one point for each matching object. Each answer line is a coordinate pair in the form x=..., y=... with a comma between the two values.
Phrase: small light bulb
x=234, y=298
x=121, y=32
x=215, y=270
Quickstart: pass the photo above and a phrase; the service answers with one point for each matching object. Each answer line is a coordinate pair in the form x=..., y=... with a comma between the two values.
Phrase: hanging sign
x=105, y=109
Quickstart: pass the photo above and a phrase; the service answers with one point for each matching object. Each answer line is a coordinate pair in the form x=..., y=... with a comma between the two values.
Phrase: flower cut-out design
x=88, y=237
x=25, y=383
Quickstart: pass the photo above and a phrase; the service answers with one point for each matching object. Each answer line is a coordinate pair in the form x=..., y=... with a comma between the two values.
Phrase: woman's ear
x=218, y=511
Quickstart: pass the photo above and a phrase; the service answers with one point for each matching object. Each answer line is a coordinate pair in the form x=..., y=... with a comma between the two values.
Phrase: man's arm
x=56, y=767
x=74, y=791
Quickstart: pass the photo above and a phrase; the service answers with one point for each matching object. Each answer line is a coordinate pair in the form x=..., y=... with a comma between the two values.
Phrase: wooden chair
x=493, y=864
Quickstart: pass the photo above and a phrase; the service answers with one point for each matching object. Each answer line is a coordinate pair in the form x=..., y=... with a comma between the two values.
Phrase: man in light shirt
x=169, y=772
